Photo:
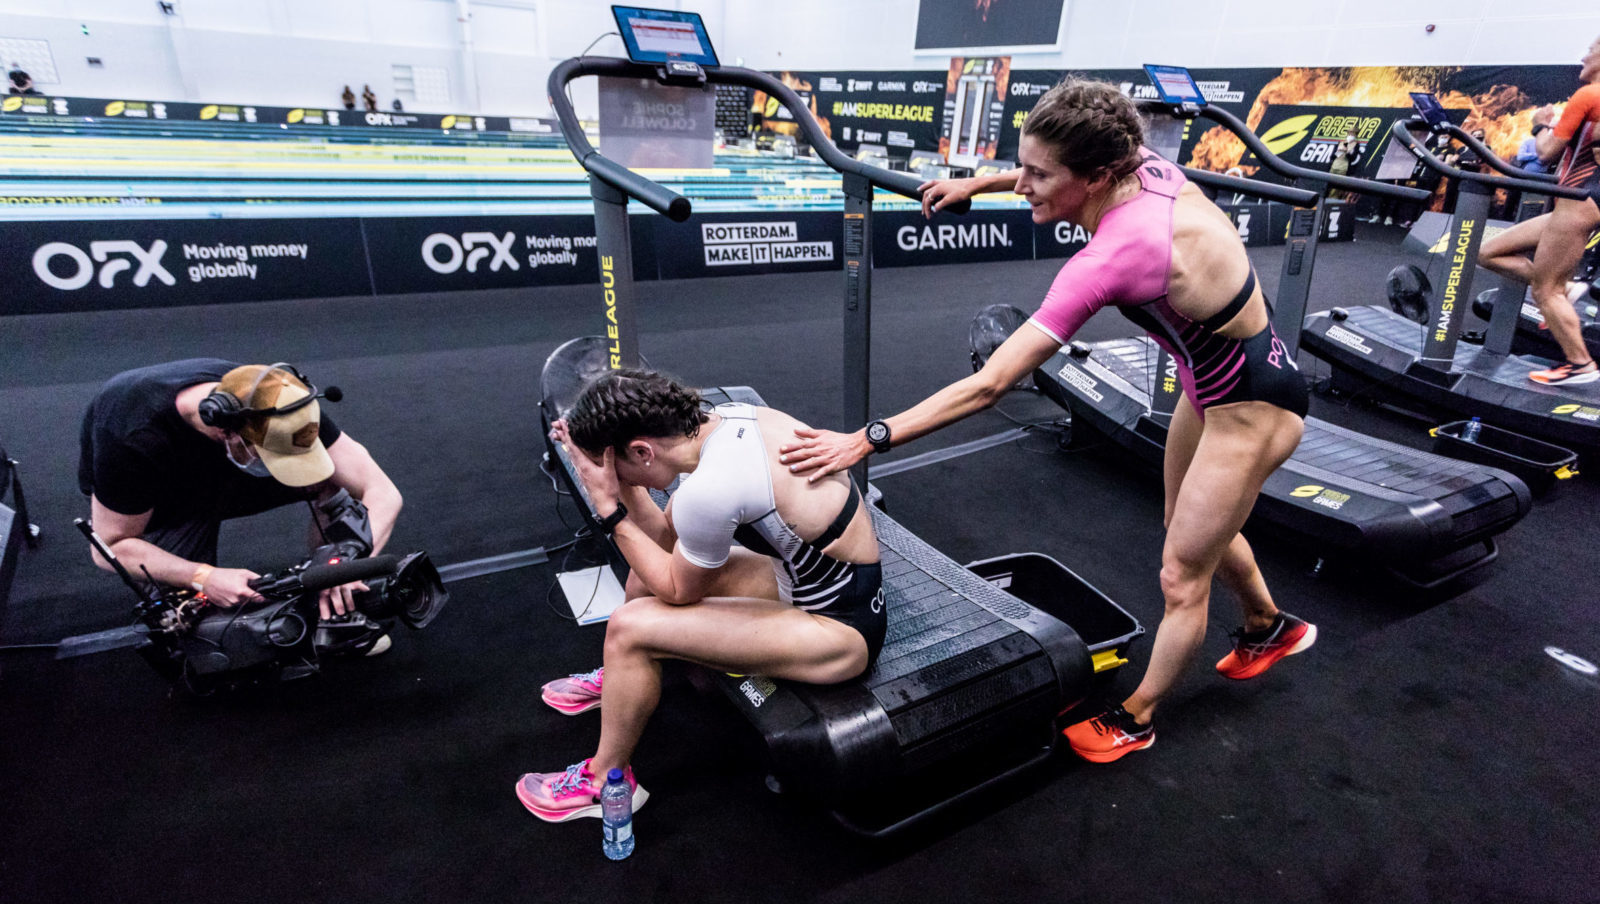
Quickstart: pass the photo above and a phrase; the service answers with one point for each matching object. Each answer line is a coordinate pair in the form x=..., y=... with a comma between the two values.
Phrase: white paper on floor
x=592, y=593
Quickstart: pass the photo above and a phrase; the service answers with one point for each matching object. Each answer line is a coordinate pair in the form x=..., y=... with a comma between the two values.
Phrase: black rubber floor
x=1425, y=749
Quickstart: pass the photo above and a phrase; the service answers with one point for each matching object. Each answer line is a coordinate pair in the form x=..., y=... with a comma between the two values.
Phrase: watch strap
x=609, y=523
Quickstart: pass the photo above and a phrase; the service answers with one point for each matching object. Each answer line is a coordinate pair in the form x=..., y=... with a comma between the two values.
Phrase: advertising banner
x=975, y=92
x=1058, y=239
x=441, y=254
x=52, y=267
x=734, y=244
x=895, y=109
x=904, y=238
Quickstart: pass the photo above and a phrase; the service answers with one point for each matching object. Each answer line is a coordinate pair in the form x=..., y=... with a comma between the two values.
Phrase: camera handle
x=8, y=468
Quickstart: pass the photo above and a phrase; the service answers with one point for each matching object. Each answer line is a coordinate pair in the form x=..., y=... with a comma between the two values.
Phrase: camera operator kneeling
x=171, y=451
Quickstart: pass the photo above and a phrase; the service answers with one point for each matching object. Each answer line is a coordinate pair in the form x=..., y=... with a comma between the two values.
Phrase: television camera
x=206, y=648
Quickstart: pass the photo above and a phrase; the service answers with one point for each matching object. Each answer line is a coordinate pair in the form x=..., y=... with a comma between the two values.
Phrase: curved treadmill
x=1346, y=492
x=1372, y=347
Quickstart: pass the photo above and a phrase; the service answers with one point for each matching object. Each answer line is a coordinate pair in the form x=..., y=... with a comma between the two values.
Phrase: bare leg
x=1559, y=251
x=1240, y=446
x=1237, y=569
x=762, y=636
x=1511, y=252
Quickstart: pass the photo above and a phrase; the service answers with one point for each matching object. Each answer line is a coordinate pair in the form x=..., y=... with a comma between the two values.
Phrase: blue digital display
x=1429, y=108
x=662, y=35
x=1175, y=85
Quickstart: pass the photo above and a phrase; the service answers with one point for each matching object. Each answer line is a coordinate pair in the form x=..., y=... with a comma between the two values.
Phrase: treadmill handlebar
x=1271, y=191
x=1403, y=133
x=1288, y=170
x=668, y=202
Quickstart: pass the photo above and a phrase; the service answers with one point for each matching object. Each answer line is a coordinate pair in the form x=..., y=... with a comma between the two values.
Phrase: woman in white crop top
x=751, y=569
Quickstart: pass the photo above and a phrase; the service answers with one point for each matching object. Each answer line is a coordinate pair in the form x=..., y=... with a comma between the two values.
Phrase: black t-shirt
x=138, y=454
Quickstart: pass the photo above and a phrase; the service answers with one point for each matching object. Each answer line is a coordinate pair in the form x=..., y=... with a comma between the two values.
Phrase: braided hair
x=1092, y=127
x=623, y=405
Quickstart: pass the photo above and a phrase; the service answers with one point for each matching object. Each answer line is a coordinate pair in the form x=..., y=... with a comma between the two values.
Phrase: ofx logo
x=472, y=248
x=83, y=268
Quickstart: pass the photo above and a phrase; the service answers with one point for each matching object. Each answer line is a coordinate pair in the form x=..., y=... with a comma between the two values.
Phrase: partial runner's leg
x=1241, y=445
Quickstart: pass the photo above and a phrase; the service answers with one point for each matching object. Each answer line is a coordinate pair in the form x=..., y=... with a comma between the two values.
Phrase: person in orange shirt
x=1557, y=239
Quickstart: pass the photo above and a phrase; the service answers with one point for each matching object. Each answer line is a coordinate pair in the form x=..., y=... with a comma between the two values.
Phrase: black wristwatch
x=1539, y=127
x=878, y=436
x=609, y=523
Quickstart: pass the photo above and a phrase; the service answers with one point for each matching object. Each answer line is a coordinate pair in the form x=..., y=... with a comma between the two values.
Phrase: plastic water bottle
x=1469, y=433
x=616, y=811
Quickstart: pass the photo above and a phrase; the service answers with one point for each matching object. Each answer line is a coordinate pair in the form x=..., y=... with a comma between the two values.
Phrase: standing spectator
x=1346, y=154
x=349, y=98
x=368, y=98
x=21, y=82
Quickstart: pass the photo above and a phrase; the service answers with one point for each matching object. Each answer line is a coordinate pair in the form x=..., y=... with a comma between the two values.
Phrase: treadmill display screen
x=660, y=35
x=1175, y=84
x=1429, y=109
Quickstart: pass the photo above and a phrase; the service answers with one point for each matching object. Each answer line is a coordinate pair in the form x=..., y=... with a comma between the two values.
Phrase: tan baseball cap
x=287, y=443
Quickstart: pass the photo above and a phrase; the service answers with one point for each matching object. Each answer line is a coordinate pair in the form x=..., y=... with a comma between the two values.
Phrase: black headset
x=226, y=411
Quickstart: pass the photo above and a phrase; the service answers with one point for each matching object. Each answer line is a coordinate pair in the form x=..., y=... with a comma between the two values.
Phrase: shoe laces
x=570, y=782
x=1108, y=721
x=590, y=677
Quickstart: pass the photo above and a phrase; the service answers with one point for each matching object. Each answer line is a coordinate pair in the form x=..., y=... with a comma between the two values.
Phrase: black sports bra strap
x=1220, y=319
x=837, y=528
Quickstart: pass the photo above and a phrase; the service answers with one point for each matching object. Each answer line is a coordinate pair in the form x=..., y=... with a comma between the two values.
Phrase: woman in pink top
x=1168, y=259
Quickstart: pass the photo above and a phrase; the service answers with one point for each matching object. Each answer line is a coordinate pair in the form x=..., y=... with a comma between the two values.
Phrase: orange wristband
x=198, y=582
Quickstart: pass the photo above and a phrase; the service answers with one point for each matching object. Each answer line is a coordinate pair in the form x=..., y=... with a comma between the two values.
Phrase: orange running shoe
x=1109, y=736
x=1567, y=374
x=1255, y=651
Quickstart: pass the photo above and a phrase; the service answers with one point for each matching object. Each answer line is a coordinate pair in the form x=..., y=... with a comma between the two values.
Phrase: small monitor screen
x=659, y=35
x=1176, y=85
x=1429, y=109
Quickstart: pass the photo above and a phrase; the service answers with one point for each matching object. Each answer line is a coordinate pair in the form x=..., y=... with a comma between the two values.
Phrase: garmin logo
x=920, y=87
x=949, y=236
x=891, y=86
x=106, y=254
x=1071, y=233
x=472, y=248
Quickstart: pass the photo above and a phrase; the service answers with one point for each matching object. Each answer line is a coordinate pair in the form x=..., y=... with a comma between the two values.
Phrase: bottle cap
x=614, y=775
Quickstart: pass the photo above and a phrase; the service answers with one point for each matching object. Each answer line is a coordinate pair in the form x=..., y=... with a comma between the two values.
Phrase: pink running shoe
x=575, y=693
x=560, y=796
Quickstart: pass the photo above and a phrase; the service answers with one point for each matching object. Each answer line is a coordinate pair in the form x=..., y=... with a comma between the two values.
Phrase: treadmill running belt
x=1389, y=328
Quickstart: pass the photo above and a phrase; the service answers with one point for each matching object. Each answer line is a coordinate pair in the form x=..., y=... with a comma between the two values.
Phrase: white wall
x=301, y=52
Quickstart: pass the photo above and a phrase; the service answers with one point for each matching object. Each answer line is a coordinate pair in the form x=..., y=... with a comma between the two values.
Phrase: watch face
x=877, y=431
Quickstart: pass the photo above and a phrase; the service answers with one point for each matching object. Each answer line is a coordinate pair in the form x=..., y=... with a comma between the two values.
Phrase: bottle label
x=623, y=832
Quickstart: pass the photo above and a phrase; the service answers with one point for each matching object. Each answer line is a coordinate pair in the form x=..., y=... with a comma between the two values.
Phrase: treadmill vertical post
x=857, y=255
x=615, y=252
x=1299, y=257
x=1461, y=260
